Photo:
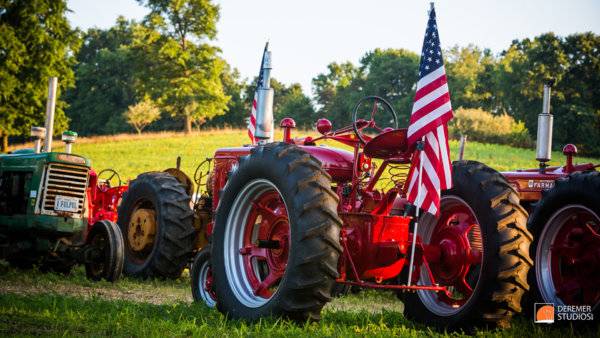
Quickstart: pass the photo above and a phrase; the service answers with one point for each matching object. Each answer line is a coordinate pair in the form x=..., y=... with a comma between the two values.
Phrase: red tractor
x=564, y=203
x=291, y=221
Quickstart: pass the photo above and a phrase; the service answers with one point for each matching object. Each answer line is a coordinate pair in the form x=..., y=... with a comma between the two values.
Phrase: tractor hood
x=28, y=158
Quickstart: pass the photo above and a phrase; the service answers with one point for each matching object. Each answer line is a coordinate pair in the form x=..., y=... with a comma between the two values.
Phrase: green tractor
x=46, y=209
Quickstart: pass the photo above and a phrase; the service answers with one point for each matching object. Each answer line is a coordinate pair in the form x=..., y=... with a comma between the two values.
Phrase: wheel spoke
x=374, y=110
x=268, y=214
x=464, y=288
x=263, y=288
x=595, y=236
x=474, y=256
x=254, y=251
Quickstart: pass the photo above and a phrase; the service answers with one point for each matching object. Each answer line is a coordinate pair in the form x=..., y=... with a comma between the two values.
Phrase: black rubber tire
x=198, y=292
x=503, y=275
x=113, y=255
x=314, y=226
x=175, y=236
x=579, y=189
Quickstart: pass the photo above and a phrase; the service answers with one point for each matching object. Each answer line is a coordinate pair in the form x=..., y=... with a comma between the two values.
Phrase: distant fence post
x=461, y=147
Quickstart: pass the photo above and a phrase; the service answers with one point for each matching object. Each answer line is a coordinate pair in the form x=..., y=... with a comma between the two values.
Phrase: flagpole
x=420, y=146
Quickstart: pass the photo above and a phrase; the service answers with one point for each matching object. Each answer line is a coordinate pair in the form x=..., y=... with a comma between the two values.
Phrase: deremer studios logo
x=548, y=313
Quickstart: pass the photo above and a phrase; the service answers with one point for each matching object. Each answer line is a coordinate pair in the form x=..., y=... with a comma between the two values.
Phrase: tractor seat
x=389, y=144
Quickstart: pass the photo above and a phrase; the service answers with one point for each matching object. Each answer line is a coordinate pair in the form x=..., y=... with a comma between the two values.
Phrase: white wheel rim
x=430, y=298
x=543, y=268
x=234, y=241
x=205, y=295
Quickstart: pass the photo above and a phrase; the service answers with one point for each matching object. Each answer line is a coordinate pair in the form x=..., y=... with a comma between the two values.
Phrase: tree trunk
x=4, y=144
x=188, y=125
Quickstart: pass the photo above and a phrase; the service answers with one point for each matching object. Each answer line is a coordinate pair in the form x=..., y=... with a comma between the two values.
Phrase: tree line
x=165, y=69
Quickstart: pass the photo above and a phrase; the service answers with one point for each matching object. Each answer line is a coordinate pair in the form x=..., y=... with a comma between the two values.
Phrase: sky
x=306, y=35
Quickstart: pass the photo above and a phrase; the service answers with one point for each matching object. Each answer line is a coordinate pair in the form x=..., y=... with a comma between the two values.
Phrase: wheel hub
x=142, y=229
x=457, y=237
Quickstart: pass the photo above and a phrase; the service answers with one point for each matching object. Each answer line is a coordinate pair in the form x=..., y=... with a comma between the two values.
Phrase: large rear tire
x=484, y=253
x=275, y=245
x=157, y=224
x=566, y=249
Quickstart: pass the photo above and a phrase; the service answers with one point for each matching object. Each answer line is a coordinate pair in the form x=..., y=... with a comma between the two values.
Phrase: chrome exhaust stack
x=50, y=108
x=544, y=130
x=264, y=101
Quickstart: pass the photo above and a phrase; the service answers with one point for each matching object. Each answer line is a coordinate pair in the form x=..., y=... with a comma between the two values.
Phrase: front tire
x=105, y=244
x=202, y=279
x=484, y=257
x=276, y=238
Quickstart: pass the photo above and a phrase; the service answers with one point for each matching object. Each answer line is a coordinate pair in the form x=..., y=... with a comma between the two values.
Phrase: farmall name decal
x=540, y=184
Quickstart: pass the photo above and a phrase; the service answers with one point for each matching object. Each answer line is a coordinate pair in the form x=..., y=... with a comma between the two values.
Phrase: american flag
x=428, y=122
x=252, y=120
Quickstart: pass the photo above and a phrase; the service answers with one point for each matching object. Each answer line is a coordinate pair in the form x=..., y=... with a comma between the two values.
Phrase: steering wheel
x=111, y=174
x=359, y=124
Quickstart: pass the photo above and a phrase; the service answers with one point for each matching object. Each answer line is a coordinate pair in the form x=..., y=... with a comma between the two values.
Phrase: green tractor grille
x=66, y=182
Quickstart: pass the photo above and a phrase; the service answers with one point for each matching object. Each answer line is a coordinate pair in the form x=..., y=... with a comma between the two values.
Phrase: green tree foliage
x=36, y=43
x=470, y=76
x=390, y=73
x=140, y=115
x=238, y=107
x=104, y=80
x=181, y=72
x=482, y=126
x=291, y=102
x=574, y=62
x=288, y=101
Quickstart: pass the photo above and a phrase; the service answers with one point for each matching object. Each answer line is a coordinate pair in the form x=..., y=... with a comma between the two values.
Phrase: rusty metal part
x=202, y=216
x=142, y=229
x=184, y=179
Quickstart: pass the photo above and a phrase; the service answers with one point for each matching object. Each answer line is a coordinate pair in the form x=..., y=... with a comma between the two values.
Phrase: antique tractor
x=291, y=222
x=51, y=209
x=564, y=207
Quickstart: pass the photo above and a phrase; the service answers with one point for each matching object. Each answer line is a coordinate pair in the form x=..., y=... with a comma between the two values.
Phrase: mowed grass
x=131, y=155
x=32, y=303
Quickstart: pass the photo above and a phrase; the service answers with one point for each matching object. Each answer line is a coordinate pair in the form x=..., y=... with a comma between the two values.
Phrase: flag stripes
x=428, y=123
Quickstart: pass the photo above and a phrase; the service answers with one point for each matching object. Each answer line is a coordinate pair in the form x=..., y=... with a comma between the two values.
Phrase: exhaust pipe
x=264, y=109
x=544, y=131
x=50, y=108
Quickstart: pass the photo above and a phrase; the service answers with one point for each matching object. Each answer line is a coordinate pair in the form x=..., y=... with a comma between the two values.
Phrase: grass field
x=32, y=303
x=132, y=154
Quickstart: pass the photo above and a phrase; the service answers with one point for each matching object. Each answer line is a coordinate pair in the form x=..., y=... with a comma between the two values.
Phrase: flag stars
x=431, y=54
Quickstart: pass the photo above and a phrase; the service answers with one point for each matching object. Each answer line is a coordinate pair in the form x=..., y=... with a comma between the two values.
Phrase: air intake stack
x=544, y=131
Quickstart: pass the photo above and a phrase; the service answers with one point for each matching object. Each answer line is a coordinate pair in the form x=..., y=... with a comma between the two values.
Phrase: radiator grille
x=64, y=180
